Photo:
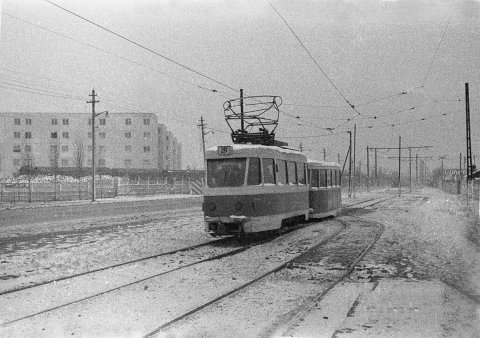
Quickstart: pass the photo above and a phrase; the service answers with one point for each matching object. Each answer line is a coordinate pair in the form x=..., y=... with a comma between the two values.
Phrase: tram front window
x=226, y=172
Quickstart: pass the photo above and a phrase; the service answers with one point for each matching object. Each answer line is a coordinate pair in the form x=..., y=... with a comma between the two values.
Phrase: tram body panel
x=253, y=188
x=324, y=202
x=324, y=188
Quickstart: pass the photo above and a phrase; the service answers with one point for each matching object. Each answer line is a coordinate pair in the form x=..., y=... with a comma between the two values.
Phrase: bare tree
x=55, y=164
x=79, y=159
x=28, y=169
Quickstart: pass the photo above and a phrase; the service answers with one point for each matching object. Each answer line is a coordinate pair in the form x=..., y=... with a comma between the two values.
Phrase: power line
x=110, y=53
x=142, y=46
x=436, y=52
x=26, y=89
x=313, y=59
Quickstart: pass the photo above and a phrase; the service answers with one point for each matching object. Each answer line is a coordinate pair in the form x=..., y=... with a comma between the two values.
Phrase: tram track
x=229, y=251
x=290, y=320
x=237, y=289
x=64, y=278
x=191, y=311
x=301, y=259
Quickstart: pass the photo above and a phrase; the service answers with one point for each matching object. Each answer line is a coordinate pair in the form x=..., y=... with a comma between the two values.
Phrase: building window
x=65, y=134
x=54, y=122
x=28, y=134
x=28, y=148
x=146, y=149
x=128, y=134
x=128, y=122
x=101, y=162
x=128, y=163
x=146, y=162
x=64, y=163
x=65, y=122
x=102, y=134
x=128, y=149
x=89, y=148
x=53, y=148
x=17, y=134
x=103, y=122
x=16, y=162
x=16, y=121
x=101, y=148
x=16, y=148
x=64, y=149
x=28, y=122
x=53, y=135
x=146, y=121
x=146, y=134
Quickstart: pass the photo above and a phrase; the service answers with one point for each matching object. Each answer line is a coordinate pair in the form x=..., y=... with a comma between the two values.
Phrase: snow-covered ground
x=421, y=279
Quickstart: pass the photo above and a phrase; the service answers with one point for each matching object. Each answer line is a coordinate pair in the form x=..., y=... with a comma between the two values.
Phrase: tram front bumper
x=225, y=225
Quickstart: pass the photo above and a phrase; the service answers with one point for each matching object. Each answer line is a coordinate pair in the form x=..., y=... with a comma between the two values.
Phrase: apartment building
x=123, y=141
x=170, y=151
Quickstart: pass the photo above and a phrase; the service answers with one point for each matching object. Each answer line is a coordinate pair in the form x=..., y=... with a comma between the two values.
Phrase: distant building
x=123, y=141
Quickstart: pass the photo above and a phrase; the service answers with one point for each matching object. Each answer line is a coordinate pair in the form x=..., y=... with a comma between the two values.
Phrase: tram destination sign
x=224, y=150
x=453, y=174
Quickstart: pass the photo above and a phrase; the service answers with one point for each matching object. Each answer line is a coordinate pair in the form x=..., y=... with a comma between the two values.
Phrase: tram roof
x=254, y=149
x=318, y=163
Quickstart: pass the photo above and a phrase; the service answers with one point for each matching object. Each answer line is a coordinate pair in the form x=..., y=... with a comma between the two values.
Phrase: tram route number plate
x=224, y=150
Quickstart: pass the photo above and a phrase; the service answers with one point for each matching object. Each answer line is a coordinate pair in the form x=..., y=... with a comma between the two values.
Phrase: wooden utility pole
x=399, y=148
x=368, y=171
x=399, y=164
x=410, y=165
x=416, y=170
x=202, y=128
x=443, y=174
x=376, y=177
x=93, y=101
x=354, y=157
x=460, y=166
x=350, y=166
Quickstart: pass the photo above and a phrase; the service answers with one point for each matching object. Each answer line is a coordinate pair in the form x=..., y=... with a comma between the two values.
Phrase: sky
x=403, y=65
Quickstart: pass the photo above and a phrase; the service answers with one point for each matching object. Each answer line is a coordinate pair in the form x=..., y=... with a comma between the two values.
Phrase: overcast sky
x=368, y=53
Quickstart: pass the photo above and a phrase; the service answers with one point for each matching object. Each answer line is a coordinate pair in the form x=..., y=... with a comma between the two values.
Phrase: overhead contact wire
x=313, y=59
x=142, y=46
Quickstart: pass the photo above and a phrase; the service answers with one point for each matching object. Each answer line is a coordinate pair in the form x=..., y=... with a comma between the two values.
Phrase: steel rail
x=243, y=286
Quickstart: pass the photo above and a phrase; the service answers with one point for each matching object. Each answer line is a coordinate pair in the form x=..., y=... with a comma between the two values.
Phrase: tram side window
x=281, y=172
x=314, y=178
x=226, y=172
x=323, y=178
x=254, y=174
x=329, y=178
x=339, y=178
x=335, y=177
x=292, y=172
x=301, y=173
x=268, y=171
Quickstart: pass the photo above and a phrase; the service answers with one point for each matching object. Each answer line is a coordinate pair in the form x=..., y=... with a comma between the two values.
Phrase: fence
x=455, y=187
x=21, y=191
